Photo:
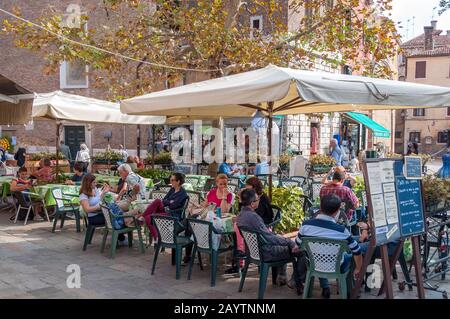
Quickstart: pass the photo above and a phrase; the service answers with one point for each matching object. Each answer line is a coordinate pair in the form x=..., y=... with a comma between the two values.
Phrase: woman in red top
x=45, y=173
x=220, y=196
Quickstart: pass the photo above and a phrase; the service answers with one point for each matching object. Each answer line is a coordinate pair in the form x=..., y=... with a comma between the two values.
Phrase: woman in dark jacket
x=20, y=157
x=264, y=210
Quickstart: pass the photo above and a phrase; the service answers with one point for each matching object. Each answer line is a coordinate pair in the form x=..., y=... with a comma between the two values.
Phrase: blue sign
x=413, y=167
x=409, y=194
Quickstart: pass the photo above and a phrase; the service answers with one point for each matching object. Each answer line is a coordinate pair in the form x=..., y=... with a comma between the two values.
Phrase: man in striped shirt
x=325, y=226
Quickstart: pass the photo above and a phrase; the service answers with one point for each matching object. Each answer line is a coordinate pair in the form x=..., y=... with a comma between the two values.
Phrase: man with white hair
x=135, y=186
x=336, y=152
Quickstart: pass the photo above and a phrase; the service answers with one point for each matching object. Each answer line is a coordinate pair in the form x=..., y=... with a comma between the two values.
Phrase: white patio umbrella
x=59, y=105
x=280, y=91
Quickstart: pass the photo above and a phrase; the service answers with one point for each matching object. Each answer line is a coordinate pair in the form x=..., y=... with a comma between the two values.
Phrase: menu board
x=413, y=167
x=409, y=194
x=380, y=181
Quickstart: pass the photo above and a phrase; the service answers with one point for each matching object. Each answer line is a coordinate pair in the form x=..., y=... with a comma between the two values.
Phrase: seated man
x=78, y=175
x=279, y=247
x=343, y=192
x=325, y=226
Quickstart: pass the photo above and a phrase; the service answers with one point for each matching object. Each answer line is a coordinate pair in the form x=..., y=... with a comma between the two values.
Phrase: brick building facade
x=26, y=69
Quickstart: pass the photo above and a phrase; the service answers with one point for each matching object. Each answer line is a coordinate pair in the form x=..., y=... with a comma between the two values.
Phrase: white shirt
x=83, y=156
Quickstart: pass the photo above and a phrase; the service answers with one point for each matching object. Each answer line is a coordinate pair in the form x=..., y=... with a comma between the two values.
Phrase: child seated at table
x=77, y=176
x=20, y=184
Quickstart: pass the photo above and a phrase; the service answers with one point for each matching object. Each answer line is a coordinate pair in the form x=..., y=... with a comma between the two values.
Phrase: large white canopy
x=292, y=91
x=59, y=105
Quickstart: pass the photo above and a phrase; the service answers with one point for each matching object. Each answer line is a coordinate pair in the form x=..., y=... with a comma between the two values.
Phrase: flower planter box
x=321, y=169
x=99, y=166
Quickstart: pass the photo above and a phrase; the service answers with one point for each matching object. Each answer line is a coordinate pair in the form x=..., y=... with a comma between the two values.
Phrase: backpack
x=117, y=223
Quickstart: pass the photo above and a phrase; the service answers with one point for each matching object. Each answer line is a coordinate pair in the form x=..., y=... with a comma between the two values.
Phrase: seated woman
x=349, y=180
x=220, y=196
x=140, y=164
x=90, y=199
x=45, y=173
x=77, y=176
x=121, y=188
x=174, y=200
x=264, y=210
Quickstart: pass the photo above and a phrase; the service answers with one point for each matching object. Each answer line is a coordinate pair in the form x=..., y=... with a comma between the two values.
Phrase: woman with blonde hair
x=219, y=195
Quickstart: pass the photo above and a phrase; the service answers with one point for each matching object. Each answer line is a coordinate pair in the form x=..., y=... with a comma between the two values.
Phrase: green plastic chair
x=325, y=256
x=203, y=232
x=109, y=220
x=193, y=180
x=277, y=215
x=168, y=228
x=64, y=205
x=254, y=241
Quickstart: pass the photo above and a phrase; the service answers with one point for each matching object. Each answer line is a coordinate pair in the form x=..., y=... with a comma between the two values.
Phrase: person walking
x=83, y=156
x=336, y=151
x=20, y=156
x=65, y=150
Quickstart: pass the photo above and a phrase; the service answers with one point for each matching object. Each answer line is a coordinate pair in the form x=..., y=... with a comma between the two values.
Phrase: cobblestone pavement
x=33, y=264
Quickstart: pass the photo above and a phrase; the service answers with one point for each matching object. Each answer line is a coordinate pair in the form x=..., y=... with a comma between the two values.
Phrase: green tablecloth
x=45, y=191
x=5, y=182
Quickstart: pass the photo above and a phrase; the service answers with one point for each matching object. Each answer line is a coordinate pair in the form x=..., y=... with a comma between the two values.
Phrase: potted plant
x=288, y=199
x=34, y=159
x=163, y=158
x=284, y=161
x=321, y=163
x=105, y=160
x=154, y=174
x=436, y=192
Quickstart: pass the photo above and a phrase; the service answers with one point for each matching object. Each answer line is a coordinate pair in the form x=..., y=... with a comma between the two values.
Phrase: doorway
x=73, y=137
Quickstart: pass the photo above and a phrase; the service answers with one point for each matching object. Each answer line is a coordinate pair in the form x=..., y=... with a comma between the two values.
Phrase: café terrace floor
x=33, y=264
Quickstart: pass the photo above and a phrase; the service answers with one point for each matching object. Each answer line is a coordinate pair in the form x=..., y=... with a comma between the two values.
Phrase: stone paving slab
x=33, y=264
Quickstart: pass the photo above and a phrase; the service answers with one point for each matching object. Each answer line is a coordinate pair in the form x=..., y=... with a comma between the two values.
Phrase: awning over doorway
x=377, y=129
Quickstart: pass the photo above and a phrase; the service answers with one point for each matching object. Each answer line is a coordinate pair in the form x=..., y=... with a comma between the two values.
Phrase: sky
x=422, y=10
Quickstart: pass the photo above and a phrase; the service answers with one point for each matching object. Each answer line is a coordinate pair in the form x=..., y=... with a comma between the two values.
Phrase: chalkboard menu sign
x=413, y=167
x=409, y=195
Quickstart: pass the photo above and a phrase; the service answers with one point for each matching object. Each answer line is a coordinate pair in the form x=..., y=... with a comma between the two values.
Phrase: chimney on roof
x=448, y=33
x=434, y=24
x=428, y=45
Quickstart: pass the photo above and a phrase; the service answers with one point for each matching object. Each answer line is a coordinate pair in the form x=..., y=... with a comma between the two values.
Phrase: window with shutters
x=256, y=24
x=414, y=137
x=421, y=69
x=419, y=112
x=443, y=137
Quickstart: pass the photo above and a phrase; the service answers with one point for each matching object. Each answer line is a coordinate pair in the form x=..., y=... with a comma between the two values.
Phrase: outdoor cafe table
x=45, y=191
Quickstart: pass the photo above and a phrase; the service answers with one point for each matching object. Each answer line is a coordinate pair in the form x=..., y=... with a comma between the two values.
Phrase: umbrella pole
x=57, y=150
x=153, y=146
x=269, y=140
